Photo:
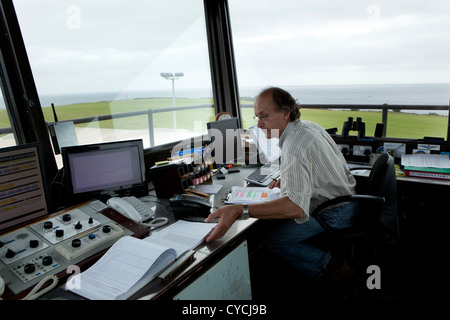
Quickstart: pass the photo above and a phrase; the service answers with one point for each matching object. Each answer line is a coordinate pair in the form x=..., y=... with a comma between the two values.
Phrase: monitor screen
x=226, y=143
x=268, y=149
x=23, y=189
x=106, y=169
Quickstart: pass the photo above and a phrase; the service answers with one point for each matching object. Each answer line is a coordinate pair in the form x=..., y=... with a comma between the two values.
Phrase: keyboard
x=264, y=175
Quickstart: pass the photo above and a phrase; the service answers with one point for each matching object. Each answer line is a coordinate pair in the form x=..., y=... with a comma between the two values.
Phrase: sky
x=115, y=45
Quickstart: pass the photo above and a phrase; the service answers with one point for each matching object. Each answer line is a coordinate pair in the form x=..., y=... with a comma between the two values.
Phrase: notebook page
x=182, y=235
x=122, y=266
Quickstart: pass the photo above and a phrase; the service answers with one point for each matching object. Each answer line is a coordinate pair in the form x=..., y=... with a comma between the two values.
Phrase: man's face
x=270, y=120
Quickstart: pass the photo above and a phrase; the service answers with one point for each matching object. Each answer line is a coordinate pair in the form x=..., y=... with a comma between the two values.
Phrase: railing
x=150, y=112
x=384, y=108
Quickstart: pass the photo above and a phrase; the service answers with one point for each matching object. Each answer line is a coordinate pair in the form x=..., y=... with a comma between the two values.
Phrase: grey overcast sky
x=116, y=45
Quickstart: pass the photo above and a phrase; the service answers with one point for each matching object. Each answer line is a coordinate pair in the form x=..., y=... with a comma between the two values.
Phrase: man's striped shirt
x=313, y=168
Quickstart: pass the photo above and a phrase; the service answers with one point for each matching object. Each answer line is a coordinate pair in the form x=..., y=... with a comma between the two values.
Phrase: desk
x=208, y=254
x=421, y=243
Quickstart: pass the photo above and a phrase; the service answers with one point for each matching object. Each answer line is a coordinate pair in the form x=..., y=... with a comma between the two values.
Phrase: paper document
x=208, y=188
x=426, y=160
x=131, y=263
x=246, y=195
x=182, y=235
x=125, y=268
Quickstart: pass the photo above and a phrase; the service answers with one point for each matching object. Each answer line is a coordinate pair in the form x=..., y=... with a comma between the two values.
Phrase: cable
x=35, y=293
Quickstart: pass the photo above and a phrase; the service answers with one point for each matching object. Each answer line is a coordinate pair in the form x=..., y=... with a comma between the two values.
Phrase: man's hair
x=284, y=101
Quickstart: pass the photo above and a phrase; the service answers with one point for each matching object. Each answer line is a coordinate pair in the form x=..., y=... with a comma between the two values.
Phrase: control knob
x=76, y=243
x=106, y=229
x=34, y=243
x=29, y=268
x=48, y=225
x=66, y=217
x=47, y=260
x=10, y=254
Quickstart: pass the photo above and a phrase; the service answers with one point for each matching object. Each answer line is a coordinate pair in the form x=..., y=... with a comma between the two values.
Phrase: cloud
x=80, y=45
x=341, y=42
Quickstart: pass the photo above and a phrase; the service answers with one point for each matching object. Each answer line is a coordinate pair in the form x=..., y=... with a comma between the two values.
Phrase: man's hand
x=275, y=184
x=227, y=216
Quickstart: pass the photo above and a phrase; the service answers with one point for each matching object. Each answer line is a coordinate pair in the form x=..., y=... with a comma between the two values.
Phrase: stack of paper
x=182, y=235
x=434, y=166
x=131, y=263
x=125, y=268
x=441, y=161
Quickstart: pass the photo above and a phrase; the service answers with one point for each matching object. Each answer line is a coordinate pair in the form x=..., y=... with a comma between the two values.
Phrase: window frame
x=19, y=89
x=22, y=100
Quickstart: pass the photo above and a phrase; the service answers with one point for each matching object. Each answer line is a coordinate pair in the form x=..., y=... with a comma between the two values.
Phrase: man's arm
x=281, y=208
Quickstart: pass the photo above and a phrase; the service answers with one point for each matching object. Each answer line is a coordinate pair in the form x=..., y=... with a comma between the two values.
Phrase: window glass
x=348, y=53
x=6, y=135
x=99, y=58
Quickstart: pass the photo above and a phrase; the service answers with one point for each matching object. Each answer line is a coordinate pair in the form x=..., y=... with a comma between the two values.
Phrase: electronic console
x=50, y=246
x=35, y=244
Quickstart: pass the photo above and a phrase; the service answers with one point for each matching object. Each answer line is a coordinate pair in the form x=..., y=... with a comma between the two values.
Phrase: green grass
x=400, y=125
x=185, y=119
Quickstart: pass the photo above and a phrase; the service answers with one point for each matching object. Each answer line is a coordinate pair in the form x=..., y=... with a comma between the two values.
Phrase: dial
x=223, y=116
x=29, y=268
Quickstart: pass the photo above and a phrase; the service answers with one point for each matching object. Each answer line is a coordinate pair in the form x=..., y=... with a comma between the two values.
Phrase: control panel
x=51, y=245
x=362, y=150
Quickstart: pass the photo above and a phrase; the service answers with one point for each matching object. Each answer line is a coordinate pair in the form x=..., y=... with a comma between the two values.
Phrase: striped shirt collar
x=286, y=130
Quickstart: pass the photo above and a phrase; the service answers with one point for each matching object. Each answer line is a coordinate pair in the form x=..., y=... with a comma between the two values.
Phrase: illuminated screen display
x=22, y=188
x=113, y=169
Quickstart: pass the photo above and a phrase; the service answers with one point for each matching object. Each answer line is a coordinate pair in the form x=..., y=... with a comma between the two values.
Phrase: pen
x=274, y=179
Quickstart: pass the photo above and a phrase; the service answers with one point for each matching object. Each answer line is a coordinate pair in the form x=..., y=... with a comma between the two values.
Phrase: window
x=97, y=59
x=6, y=135
x=348, y=53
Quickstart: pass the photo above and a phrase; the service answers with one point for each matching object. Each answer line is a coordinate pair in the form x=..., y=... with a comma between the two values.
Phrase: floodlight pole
x=173, y=76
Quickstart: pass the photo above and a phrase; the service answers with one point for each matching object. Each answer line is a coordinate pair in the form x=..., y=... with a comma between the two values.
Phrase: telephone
x=131, y=207
x=184, y=205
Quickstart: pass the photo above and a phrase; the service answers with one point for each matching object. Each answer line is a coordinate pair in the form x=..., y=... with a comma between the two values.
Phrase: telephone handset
x=189, y=205
x=131, y=207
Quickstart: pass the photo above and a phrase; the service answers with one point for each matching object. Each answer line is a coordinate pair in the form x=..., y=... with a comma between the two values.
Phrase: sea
x=394, y=94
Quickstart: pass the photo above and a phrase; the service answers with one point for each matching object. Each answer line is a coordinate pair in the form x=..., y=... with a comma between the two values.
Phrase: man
x=313, y=170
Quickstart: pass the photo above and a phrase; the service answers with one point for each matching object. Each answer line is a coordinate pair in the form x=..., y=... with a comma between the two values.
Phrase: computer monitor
x=104, y=170
x=268, y=149
x=23, y=188
x=226, y=144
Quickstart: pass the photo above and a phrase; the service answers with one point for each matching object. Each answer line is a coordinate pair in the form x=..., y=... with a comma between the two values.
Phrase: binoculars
x=351, y=125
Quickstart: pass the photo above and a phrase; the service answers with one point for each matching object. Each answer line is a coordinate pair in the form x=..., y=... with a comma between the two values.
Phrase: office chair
x=376, y=224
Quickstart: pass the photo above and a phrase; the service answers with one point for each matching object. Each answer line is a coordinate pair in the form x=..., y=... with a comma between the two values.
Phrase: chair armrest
x=344, y=199
x=360, y=168
x=368, y=198
x=346, y=233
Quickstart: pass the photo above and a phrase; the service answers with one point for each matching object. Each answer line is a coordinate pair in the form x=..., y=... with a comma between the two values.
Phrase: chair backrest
x=382, y=182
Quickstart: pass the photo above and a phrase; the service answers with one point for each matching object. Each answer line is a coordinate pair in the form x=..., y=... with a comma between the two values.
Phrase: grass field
x=400, y=125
